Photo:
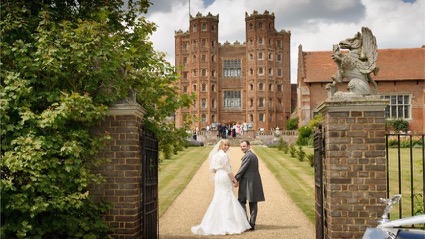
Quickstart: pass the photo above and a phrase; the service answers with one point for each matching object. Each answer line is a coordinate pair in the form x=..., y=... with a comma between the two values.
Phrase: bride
x=225, y=214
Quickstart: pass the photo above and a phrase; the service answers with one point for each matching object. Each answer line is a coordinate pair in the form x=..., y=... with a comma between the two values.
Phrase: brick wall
x=122, y=172
x=354, y=169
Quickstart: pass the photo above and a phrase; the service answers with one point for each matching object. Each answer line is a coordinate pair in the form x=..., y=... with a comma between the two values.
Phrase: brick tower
x=235, y=83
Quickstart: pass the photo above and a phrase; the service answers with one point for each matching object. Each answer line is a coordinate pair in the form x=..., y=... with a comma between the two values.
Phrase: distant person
x=225, y=214
x=195, y=135
x=250, y=185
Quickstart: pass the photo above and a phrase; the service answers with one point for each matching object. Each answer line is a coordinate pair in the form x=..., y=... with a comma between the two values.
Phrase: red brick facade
x=401, y=76
x=248, y=82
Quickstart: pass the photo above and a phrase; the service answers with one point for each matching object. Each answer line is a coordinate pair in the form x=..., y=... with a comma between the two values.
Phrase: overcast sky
x=314, y=24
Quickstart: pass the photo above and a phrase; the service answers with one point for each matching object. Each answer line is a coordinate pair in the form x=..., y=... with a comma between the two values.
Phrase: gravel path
x=278, y=216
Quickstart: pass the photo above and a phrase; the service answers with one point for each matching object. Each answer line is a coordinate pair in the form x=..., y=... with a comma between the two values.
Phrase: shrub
x=310, y=158
x=305, y=134
x=300, y=154
x=292, y=124
x=398, y=124
x=292, y=151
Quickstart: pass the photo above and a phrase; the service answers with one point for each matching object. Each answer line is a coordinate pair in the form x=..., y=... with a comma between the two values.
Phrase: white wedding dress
x=224, y=215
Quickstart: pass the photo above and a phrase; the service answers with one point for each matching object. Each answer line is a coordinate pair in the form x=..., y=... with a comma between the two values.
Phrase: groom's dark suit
x=250, y=185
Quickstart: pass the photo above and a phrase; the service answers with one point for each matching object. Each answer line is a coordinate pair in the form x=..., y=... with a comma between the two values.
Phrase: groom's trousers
x=253, y=209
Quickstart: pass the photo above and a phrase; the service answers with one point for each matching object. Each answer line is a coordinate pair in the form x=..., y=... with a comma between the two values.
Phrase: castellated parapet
x=209, y=15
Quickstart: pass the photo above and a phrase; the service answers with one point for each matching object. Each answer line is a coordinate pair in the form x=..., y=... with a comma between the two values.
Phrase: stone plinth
x=354, y=166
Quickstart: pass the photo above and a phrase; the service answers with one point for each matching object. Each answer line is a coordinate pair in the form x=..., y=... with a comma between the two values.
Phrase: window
x=251, y=41
x=251, y=87
x=204, y=26
x=204, y=72
x=194, y=58
x=203, y=87
x=279, y=101
x=184, y=60
x=203, y=103
x=213, y=103
x=212, y=58
x=203, y=43
x=260, y=71
x=279, y=72
x=203, y=118
x=213, y=29
x=194, y=87
x=212, y=43
x=213, y=87
x=213, y=73
x=185, y=46
x=232, y=99
x=260, y=41
x=251, y=72
x=260, y=25
x=212, y=118
x=251, y=118
x=261, y=102
x=279, y=57
x=261, y=86
x=251, y=56
x=194, y=72
x=261, y=117
x=251, y=102
x=270, y=102
x=279, y=43
x=251, y=26
x=260, y=55
x=204, y=58
x=184, y=89
x=195, y=28
x=270, y=71
x=232, y=68
x=270, y=87
x=279, y=87
x=270, y=56
x=399, y=107
x=185, y=75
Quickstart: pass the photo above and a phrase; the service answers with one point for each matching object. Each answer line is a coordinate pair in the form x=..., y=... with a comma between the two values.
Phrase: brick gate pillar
x=354, y=165
x=123, y=185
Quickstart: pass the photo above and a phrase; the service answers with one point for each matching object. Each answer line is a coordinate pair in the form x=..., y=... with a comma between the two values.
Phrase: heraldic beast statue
x=356, y=65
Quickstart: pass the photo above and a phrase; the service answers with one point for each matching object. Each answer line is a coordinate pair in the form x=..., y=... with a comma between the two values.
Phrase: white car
x=394, y=229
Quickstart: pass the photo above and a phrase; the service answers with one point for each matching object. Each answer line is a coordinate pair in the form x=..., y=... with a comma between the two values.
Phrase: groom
x=249, y=180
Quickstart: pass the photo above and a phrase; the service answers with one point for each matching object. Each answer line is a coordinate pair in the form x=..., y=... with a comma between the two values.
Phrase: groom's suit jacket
x=250, y=185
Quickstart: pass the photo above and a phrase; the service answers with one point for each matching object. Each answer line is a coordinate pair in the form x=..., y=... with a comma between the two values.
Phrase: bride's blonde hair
x=223, y=142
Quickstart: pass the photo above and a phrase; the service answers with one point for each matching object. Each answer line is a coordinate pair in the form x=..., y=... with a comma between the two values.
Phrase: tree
x=64, y=62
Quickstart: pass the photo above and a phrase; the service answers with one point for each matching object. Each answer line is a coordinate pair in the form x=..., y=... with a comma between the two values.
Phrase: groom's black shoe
x=252, y=227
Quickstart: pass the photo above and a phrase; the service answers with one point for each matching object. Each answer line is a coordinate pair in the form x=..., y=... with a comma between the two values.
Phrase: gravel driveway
x=278, y=216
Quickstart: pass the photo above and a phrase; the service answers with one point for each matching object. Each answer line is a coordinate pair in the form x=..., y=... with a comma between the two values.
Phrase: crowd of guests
x=231, y=130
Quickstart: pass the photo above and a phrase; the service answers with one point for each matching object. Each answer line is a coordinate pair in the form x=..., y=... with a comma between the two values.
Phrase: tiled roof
x=394, y=65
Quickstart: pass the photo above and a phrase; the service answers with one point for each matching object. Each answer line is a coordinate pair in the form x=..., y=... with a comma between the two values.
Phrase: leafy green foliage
x=64, y=62
x=292, y=124
x=398, y=124
x=301, y=154
x=306, y=132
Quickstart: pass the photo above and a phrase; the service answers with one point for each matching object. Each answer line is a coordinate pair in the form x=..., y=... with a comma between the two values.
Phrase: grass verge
x=176, y=172
x=294, y=176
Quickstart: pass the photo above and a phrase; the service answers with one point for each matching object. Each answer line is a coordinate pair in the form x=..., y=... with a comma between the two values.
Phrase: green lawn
x=295, y=177
x=410, y=168
x=175, y=173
